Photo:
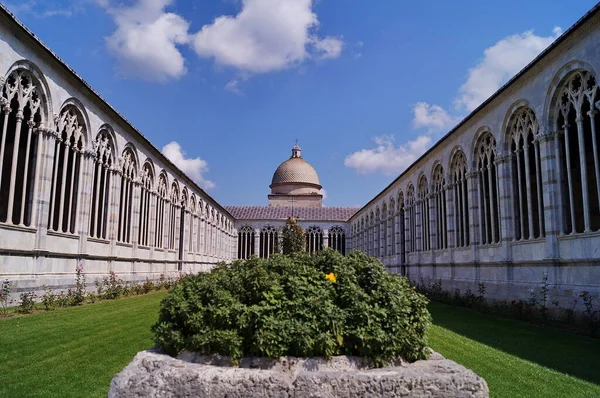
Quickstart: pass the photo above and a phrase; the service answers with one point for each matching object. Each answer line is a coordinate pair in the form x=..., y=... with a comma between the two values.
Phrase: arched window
x=424, y=214
x=147, y=182
x=384, y=231
x=314, y=239
x=200, y=226
x=439, y=205
x=20, y=118
x=161, y=201
x=411, y=228
x=245, y=242
x=458, y=171
x=68, y=150
x=377, y=234
x=182, y=225
x=128, y=176
x=192, y=223
x=485, y=155
x=371, y=234
x=579, y=152
x=207, y=231
x=393, y=218
x=526, y=176
x=269, y=241
x=173, y=216
x=401, y=229
x=103, y=163
x=337, y=239
x=361, y=236
x=212, y=226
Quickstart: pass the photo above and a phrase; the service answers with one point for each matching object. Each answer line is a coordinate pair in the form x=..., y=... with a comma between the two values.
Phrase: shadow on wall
x=574, y=355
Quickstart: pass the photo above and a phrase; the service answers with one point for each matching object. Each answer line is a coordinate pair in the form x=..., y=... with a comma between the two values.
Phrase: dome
x=295, y=171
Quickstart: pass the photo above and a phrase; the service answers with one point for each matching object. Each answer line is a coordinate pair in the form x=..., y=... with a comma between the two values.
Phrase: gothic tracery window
x=411, y=217
x=337, y=239
x=371, y=237
x=192, y=224
x=128, y=176
x=173, y=216
x=384, y=231
x=161, y=201
x=393, y=221
x=103, y=163
x=377, y=234
x=269, y=241
x=245, y=242
x=314, y=239
x=439, y=206
x=526, y=176
x=424, y=218
x=146, y=197
x=578, y=129
x=20, y=119
x=68, y=152
x=401, y=229
x=485, y=156
x=200, y=226
x=458, y=171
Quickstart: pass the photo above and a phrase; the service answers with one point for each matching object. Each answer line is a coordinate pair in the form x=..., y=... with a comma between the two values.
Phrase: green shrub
x=301, y=305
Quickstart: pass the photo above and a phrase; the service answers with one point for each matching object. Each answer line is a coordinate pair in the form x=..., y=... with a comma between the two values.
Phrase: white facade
x=80, y=185
x=511, y=193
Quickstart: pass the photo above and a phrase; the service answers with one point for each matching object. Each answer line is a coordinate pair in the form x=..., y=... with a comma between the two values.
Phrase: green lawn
x=75, y=352
x=515, y=358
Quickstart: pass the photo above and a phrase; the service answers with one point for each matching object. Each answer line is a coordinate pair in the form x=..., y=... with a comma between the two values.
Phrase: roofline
x=29, y=34
x=587, y=16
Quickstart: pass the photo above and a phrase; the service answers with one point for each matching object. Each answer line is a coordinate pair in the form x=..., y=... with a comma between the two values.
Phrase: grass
x=517, y=359
x=75, y=352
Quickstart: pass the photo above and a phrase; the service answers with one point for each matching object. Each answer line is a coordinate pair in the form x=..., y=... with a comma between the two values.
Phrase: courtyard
x=75, y=352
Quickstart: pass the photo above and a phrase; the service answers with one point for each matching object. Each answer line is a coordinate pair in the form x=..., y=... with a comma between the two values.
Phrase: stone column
x=42, y=185
x=552, y=175
x=257, y=242
x=474, y=221
x=505, y=203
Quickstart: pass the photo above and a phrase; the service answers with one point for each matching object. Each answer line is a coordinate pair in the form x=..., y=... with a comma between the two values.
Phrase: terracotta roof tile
x=283, y=212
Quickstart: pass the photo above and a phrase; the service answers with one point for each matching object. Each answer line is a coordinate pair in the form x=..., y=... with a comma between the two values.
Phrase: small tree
x=293, y=237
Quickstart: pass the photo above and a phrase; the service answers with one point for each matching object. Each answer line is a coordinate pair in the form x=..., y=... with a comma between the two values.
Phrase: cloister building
x=509, y=195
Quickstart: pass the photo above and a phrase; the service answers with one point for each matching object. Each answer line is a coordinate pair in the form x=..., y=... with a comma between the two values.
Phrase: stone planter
x=152, y=374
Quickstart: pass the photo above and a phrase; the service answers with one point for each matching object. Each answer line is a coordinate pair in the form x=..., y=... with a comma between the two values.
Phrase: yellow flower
x=331, y=277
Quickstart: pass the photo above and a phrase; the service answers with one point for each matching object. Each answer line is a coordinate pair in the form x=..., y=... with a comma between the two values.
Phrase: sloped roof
x=300, y=213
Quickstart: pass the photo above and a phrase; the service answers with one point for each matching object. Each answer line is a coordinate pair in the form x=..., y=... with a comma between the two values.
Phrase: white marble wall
x=32, y=256
x=511, y=267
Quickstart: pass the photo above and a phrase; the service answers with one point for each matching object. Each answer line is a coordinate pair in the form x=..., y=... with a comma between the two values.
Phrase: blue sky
x=365, y=86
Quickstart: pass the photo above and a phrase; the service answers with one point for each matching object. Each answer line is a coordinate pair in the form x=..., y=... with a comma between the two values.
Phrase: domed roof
x=295, y=170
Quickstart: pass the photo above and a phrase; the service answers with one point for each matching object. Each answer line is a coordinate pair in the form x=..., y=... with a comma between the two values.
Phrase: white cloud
x=386, y=157
x=146, y=40
x=266, y=36
x=500, y=62
x=194, y=168
x=324, y=193
x=329, y=47
x=432, y=117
